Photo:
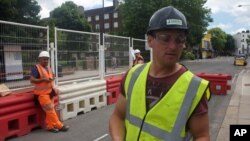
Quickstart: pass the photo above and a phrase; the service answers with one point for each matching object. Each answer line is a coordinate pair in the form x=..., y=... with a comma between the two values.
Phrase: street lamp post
x=241, y=5
x=102, y=36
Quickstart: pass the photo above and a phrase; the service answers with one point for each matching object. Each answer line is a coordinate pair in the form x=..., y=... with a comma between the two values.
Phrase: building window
x=97, y=17
x=106, y=25
x=115, y=24
x=89, y=19
x=97, y=27
x=106, y=16
x=115, y=15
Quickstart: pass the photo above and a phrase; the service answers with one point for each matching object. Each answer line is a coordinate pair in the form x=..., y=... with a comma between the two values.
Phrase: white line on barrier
x=103, y=136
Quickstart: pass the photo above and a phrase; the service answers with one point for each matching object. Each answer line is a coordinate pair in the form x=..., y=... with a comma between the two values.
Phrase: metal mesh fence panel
x=20, y=45
x=77, y=54
x=116, y=50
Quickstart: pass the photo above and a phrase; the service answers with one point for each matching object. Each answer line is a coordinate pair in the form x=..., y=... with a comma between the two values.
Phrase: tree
x=68, y=16
x=248, y=40
x=248, y=43
x=219, y=39
x=229, y=46
x=136, y=15
x=198, y=18
x=24, y=11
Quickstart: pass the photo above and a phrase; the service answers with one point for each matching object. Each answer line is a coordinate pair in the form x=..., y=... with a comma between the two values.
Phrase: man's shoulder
x=34, y=68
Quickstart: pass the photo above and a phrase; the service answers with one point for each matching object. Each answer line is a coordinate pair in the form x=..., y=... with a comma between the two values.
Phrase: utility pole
x=243, y=5
x=248, y=53
x=102, y=37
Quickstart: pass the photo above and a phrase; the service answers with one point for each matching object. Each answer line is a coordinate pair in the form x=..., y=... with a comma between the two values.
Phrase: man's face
x=167, y=46
x=44, y=61
x=137, y=54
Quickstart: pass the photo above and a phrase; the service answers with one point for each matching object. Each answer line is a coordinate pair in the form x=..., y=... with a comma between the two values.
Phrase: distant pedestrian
x=113, y=62
x=138, y=58
x=42, y=77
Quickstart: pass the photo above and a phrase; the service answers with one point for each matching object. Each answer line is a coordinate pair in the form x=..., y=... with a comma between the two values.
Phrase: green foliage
x=248, y=39
x=24, y=11
x=68, y=16
x=219, y=39
x=136, y=15
x=198, y=18
x=229, y=46
x=186, y=55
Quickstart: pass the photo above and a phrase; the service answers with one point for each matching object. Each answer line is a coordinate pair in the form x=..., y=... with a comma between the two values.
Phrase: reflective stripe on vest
x=180, y=120
x=131, y=85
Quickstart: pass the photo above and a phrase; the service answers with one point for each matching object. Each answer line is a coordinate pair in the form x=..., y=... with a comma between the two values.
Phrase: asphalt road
x=93, y=126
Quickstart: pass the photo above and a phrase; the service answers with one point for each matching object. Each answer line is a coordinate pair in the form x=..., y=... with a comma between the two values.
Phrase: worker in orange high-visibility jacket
x=138, y=58
x=42, y=78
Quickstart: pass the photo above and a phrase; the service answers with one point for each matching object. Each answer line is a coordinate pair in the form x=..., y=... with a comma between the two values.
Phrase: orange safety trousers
x=47, y=104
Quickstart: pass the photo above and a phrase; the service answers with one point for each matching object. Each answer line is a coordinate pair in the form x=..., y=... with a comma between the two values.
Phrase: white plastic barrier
x=82, y=97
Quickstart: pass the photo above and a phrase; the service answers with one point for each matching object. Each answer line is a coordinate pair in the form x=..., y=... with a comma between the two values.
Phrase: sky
x=225, y=13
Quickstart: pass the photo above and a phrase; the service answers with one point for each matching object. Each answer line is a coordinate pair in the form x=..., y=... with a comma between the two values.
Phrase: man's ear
x=150, y=40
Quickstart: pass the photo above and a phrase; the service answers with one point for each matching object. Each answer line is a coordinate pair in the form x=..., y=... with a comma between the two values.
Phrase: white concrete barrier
x=82, y=98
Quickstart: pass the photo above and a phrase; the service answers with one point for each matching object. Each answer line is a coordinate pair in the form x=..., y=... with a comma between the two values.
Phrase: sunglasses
x=166, y=38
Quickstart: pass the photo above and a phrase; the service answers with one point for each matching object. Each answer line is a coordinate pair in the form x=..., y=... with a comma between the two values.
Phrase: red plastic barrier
x=113, y=87
x=16, y=98
x=19, y=123
x=218, y=82
x=19, y=115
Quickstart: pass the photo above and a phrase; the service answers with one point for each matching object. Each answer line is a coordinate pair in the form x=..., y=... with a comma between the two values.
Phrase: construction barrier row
x=19, y=115
x=218, y=82
x=80, y=98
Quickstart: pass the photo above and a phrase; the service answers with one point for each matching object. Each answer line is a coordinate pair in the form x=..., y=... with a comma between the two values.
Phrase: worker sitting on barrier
x=42, y=77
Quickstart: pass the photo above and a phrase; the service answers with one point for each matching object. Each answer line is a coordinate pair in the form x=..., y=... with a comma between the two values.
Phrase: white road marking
x=234, y=78
x=103, y=136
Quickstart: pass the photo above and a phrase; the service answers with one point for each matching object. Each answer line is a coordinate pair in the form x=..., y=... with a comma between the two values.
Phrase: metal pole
x=103, y=16
x=243, y=5
x=56, y=56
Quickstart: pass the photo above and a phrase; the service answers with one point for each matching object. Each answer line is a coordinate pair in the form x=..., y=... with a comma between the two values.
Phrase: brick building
x=105, y=19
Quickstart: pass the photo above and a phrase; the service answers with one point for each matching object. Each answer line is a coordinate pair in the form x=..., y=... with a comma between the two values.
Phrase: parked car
x=240, y=60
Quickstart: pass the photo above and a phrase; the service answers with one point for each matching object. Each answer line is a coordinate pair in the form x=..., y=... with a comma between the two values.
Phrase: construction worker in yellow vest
x=162, y=100
x=44, y=90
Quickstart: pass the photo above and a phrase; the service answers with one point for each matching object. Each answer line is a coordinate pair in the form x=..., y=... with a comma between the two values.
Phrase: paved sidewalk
x=238, y=111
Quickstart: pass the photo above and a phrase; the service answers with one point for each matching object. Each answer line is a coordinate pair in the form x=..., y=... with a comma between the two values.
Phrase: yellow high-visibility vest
x=167, y=119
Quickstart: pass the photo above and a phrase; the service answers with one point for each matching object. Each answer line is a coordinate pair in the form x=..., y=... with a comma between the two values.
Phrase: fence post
x=102, y=56
x=56, y=61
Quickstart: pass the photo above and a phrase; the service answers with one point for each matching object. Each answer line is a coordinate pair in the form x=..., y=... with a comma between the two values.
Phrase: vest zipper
x=141, y=126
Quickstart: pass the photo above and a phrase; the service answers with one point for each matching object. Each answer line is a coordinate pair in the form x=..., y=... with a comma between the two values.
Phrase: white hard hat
x=137, y=51
x=44, y=54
